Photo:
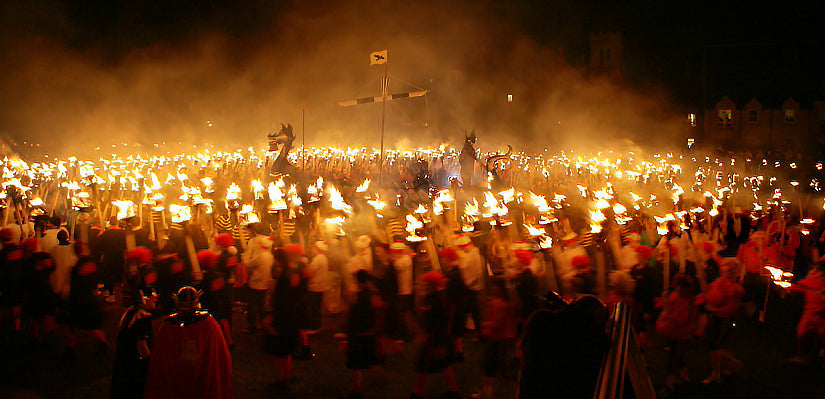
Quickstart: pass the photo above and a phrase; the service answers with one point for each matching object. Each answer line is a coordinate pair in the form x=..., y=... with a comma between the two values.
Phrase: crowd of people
x=181, y=281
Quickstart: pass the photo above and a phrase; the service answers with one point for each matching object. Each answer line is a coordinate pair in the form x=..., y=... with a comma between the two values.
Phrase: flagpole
x=303, y=137
x=384, y=88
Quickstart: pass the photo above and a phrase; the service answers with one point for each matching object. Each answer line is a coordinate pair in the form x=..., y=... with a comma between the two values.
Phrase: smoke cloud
x=228, y=77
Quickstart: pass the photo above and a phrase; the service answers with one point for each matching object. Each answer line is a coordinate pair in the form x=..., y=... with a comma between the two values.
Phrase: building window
x=753, y=116
x=725, y=117
x=790, y=116
x=692, y=119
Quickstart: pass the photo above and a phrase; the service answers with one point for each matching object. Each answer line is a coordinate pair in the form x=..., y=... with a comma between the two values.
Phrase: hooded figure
x=190, y=358
x=563, y=346
x=134, y=337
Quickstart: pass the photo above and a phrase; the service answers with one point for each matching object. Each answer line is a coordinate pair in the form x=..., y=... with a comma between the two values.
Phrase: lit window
x=692, y=119
x=790, y=116
x=509, y=98
x=725, y=117
x=753, y=116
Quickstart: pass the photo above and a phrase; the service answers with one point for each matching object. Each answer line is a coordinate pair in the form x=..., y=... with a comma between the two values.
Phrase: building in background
x=785, y=126
x=606, y=50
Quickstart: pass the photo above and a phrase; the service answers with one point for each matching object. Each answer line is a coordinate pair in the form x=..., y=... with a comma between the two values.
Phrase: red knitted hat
x=225, y=240
x=140, y=254
x=207, y=258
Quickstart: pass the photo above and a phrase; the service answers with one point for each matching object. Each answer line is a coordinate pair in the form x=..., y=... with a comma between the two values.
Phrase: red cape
x=190, y=361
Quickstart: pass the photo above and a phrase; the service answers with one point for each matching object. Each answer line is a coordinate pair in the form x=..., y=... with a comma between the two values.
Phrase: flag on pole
x=378, y=57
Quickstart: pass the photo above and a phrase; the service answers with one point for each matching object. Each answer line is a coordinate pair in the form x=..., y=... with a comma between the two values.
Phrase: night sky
x=771, y=52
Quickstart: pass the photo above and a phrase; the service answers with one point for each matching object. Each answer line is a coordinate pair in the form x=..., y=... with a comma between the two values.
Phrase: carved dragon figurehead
x=470, y=138
x=281, y=137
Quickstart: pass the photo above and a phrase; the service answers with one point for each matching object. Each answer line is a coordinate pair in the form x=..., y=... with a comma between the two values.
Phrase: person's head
x=187, y=299
x=29, y=245
x=63, y=237
x=113, y=221
x=140, y=255
x=362, y=278
x=294, y=252
x=524, y=258
x=225, y=240
x=281, y=262
x=207, y=259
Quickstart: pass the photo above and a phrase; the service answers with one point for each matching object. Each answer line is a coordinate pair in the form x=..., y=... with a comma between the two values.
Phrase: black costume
x=129, y=369
x=11, y=275
x=563, y=349
x=527, y=288
x=394, y=317
x=38, y=299
x=217, y=291
x=83, y=304
x=171, y=276
x=361, y=332
x=436, y=353
x=113, y=261
x=285, y=319
x=456, y=302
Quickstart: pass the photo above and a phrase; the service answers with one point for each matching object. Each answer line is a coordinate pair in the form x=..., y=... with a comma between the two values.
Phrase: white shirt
x=255, y=246
x=404, y=271
x=64, y=260
x=472, y=269
x=319, y=269
x=259, y=260
x=260, y=271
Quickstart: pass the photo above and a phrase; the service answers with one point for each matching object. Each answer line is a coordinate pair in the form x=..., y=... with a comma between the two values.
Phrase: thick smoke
x=73, y=91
